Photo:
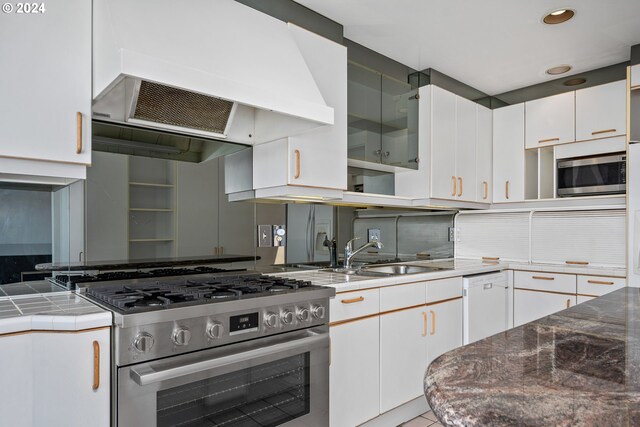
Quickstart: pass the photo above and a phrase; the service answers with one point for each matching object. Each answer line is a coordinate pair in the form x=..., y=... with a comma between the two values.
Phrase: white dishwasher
x=486, y=305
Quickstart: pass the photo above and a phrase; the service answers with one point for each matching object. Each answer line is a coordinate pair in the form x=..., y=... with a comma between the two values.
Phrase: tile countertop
x=458, y=267
x=577, y=367
x=40, y=305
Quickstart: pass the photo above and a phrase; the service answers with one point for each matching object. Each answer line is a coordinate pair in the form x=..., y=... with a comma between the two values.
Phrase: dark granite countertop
x=578, y=367
x=144, y=263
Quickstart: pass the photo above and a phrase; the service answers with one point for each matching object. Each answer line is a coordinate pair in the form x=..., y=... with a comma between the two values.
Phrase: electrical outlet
x=452, y=234
x=373, y=234
x=265, y=236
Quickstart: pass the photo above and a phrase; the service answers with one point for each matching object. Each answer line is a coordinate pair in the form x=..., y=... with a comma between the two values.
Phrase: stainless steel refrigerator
x=307, y=227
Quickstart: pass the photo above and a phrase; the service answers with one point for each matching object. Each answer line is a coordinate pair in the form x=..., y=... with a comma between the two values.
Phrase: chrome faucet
x=349, y=253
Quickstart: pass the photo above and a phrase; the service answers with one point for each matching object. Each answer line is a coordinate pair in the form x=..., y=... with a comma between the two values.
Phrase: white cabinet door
x=484, y=154
x=64, y=386
x=465, y=149
x=444, y=328
x=532, y=305
x=46, y=82
x=601, y=111
x=354, y=372
x=508, y=154
x=584, y=298
x=550, y=120
x=403, y=356
x=443, y=145
x=16, y=371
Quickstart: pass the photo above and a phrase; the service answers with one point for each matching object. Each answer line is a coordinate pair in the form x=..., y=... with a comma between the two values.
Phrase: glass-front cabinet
x=383, y=118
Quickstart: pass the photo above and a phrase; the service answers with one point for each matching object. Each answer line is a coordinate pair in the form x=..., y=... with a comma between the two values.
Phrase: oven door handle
x=146, y=375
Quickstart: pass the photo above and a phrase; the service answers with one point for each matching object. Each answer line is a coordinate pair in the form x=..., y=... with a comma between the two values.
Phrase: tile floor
x=425, y=420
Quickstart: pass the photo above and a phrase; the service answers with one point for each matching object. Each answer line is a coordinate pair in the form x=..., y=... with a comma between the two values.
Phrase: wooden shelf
x=150, y=210
x=151, y=184
x=150, y=240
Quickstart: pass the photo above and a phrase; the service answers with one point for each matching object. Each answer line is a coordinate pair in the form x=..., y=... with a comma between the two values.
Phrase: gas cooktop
x=148, y=295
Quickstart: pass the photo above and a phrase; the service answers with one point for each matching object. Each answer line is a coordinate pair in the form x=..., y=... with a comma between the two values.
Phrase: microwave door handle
x=147, y=375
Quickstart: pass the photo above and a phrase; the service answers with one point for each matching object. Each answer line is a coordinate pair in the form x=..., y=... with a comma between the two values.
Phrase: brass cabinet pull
x=352, y=300
x=568, y=303
x=598, y=132
x=297, y=153
x=485, y=194
x=506, y=191
x=548, y=140
x=543, y=278
x=598, y=282
x=490, y=258
x=221, y=250
x=433, y=321
x=577, y=262
x=215, y=250
x=453, y=178
x=460, y=189
x=424, y=319
x=79, y=132
x=96, y=365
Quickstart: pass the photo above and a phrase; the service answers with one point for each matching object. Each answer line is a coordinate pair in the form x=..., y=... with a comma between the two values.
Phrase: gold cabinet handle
x=79, y=132
x=96, y=365
x=577, y=262
x=598, y=132
x=506, y=191
x=548, y=140
x=433, y=321
x=490, y=258
x=460, y=189
x=543, y=278
x=485, y=186
x=453, y=178
x=568, y=303
x=424, y=327
x=598, y=282
x=352, y=300
x=297, y=154
x=221, y=250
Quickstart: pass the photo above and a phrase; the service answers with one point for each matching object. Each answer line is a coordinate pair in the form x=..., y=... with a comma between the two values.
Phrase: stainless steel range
x=234, y=349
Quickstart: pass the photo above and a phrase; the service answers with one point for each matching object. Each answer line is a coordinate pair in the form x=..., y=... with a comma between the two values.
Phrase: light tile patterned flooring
x=425, y=420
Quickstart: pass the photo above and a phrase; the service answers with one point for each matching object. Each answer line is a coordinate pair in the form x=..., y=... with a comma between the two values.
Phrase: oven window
x=590, y=175
x=265, y=395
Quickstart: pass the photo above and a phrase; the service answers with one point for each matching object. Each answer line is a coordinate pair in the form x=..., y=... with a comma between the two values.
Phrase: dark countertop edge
x=145, y=263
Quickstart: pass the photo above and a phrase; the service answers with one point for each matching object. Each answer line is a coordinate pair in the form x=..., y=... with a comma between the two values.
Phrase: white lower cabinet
x=16, y=395
x=354, y=372
x=532, y=305
x=444, y=328
x=403, y=355
x=584, y=298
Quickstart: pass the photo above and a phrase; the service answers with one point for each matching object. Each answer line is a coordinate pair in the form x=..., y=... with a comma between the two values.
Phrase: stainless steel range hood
x=215, y=71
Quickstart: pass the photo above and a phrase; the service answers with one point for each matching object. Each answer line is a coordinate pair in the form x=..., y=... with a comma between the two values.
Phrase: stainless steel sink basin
x=396, y=269
x=347, y=271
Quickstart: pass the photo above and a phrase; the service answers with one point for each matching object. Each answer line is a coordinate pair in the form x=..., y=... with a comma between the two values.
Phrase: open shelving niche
x=152, y=199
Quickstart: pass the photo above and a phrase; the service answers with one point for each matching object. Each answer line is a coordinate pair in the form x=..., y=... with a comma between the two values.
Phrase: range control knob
x=303, y=314
x=215, y=330
x=271, y=320
x=181, y=336
x=318, y=311
x=286, y=317
x=143, y=342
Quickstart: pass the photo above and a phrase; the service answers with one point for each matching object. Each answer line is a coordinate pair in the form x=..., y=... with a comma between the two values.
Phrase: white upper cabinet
x=635, y=76
x=45, y=90
x=601, y=111
x=508, y=154
x=550, y=121
x=484, y=154
x=466, y=149
x=444, y=182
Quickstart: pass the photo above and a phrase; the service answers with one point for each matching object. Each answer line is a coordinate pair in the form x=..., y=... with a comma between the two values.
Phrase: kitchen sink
x=397, y=269
x=341, y=270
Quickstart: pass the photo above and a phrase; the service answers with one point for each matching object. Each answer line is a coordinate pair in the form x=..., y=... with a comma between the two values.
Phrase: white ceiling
x=492, y=45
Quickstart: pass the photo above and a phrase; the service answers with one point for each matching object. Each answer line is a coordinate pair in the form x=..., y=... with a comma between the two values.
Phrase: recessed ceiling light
x=558, y=16
x=574, y=82
x=560, y=69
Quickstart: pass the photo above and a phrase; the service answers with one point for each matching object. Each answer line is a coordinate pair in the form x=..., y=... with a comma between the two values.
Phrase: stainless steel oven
x=277, y=380
x=595, y=175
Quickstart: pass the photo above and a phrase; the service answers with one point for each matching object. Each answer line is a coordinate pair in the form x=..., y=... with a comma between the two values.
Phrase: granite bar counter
x=578, y=367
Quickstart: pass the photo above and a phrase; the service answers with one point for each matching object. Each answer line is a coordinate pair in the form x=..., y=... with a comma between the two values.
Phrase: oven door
x=591, y=176
x=278, y=380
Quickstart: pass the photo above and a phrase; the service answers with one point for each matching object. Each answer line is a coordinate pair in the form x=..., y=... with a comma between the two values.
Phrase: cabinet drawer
x=438, y=290
x=596, y=285
x=552, y=282
x=395, y=297
x=350, y=305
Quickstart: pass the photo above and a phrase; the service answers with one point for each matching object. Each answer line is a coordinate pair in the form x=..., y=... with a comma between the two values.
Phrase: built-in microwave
x=597, y=175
